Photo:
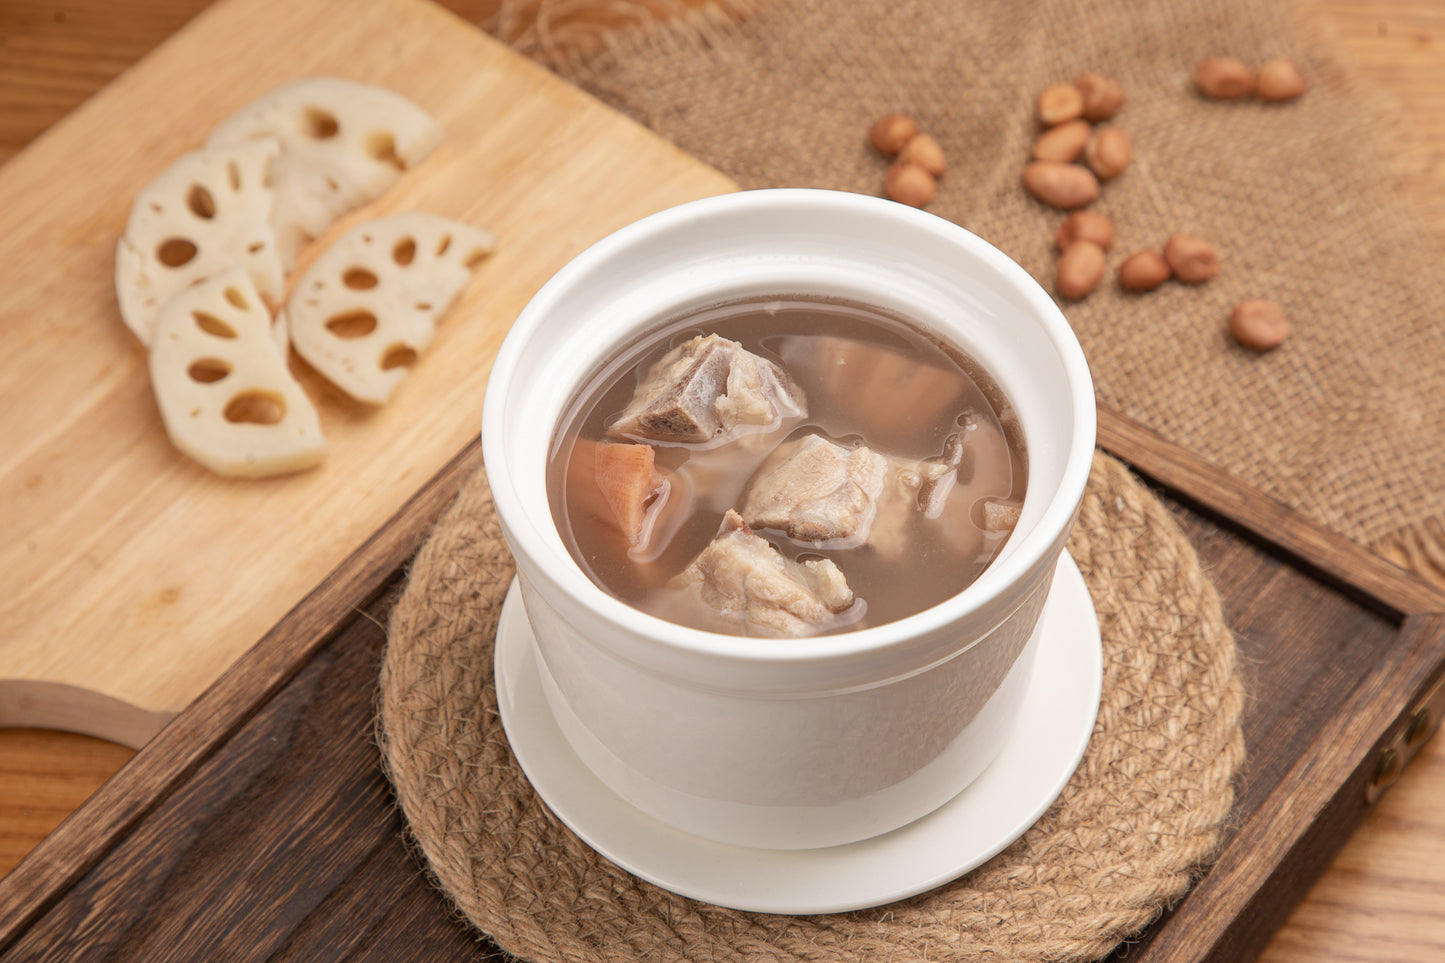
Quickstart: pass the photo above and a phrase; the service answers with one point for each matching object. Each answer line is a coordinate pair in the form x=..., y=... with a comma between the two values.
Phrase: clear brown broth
x=870, y=378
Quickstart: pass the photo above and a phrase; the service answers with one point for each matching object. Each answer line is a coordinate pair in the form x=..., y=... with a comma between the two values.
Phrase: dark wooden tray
x=257, y=826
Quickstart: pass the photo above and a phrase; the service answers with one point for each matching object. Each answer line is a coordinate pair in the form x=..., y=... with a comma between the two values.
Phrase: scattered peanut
x=1103, y=96
x=1060, y=103
x=1109, y=153
x=1080, y=269
x=1279, y=79
x=1064, y=142
x=891, y=132
x=910, y=184
x=1224, y=78
x=1259, y=324
x=1144, y=271
x=1092, y=226
x=924, y=151
x=1192, y=259
x=1065, y=186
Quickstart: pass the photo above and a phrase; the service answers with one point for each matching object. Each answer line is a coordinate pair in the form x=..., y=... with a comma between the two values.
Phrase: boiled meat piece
x=913, y=488
x=820, y=492
x=938, y=475
x=705, y=390
x=962, y=492
x=1000, y=516
x=742, y=576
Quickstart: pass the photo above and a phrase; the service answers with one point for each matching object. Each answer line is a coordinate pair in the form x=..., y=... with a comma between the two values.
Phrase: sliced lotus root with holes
x=368, y=306
x=206, y=213
x=343, y=144
x=222, y=385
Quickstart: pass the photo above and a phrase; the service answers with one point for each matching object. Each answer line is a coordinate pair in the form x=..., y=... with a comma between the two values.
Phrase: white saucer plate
x=1041, y=753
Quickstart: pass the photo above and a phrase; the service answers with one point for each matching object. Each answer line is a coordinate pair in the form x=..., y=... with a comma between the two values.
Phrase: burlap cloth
x=1301, y=199
x=1143, y=813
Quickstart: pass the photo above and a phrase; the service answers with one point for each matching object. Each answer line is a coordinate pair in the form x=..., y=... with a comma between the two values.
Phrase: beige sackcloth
x=1302, y=201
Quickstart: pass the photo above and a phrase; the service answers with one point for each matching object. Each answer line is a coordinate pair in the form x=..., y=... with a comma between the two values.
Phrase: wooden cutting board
x=130, y=577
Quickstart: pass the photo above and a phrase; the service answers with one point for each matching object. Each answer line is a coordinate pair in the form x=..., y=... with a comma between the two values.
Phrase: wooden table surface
x=1383, y=898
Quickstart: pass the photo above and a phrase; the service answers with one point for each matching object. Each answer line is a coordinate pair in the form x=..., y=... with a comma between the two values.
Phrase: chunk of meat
x=821, y=493
x=962, y=493
x=938, y=475
x=1000, y=515
x=706, y=390
x=742, y=576
x=912, y=488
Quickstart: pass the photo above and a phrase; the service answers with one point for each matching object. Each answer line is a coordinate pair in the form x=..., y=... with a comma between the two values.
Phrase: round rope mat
x=1142, y=815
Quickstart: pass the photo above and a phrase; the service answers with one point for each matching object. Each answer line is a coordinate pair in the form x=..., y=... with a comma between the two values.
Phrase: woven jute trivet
x=1142, y=815
x=1302, y=200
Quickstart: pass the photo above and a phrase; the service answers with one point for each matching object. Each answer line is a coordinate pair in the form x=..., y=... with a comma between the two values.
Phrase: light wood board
x=130, y=577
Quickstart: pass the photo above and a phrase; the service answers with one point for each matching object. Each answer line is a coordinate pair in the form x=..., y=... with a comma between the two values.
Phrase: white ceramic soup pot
x=800, y=742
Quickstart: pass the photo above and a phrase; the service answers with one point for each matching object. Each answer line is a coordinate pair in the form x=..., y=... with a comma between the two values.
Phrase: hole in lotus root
x=359, y=279
x=208, y=370
x=256, y=408
x=233, y=175
x=175, y=251
x=398, y=356
x=444, y=245
x=352, y=324
x=320, y=124
x=382, y=146
x=404, y=251
x=237, y=299
x=201, y=203
x=474, y=257
x=213, y=325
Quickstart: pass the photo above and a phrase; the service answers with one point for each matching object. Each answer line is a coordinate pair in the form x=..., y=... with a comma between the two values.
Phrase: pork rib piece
x=742, y=576
x=821, y=493
x=705, y=390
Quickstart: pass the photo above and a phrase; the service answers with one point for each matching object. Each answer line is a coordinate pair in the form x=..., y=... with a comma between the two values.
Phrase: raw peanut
x=1193, y=260
x=1144, y=271
x=1060, y=103
x=1109, y=153
x=1279, y=79
x=1086, y=226
x=1064, y=142
x=924, y=151
x=1065, y=186
x=890, y=132
x=1103, y=96
x=910, y=184
x=1080, y=269
x=1259, y=324
x=1223, y=78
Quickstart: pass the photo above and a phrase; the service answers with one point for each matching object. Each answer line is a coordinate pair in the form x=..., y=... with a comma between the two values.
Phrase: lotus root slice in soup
x=785, y=467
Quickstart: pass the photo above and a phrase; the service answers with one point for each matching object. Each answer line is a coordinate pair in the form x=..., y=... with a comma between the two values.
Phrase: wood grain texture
x=129, y=570
x=46, y=775
x=1400, y=46
x=284, y=845
x=1344, y=563
x=1380, y=899
x=268, y=832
